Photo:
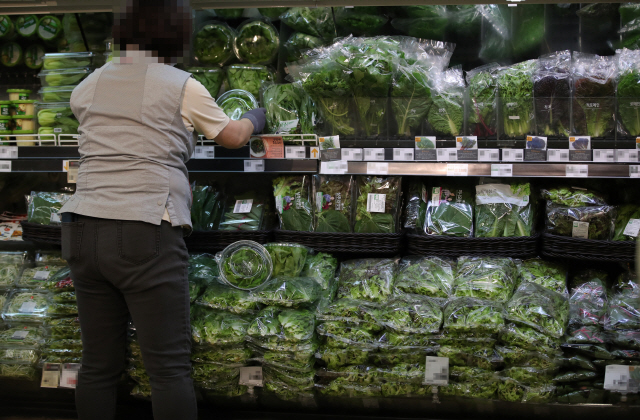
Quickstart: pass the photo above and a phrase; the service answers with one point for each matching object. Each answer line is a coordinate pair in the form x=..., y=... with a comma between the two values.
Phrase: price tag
x=374, y=154
x=577, y=171
x=376, y=203
x=402, y=154
x=436, y=371
x=205, y=152
x=9, y=152
x=20, y=335
x=622, y=378
x=488, y=155
x=243, y=206
x=377, y=168
x=448, y=154
x=558, y=155
x=69, y=376
x=457, y=169
x=501, y=169
x=41, y=275
x=5, y=166
x=351, y=154
x=512, y=155
x=295, y=152
x=314, y=152
x=27, y=307
x=634, y=171
x=632, y=228
x=50, y=375
x=71, y=167
x=604, y=155
x=254, y=165
x=580, y=230
x=338, y=167
x=627, y=155
x=251, y=376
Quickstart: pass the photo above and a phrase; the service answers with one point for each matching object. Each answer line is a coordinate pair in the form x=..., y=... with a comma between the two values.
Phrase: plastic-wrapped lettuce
x=369, y=279
x=588, y=298
x=449, y=212
x=516, y=356
x=587, y=335
x=504, y=210
x=333, y=203
x=539, y=308
x=428, y=276
x=549, y=274
x=428, y=21
x=289, y=109
x=245, y=265
x=285, y=324
x=525, y=337
x=316, y=21
x=410, y=314
x=623, y=312
x=321, y=267
x=377, y=204
x=342, y=387
x=359, y=21
x=491, y=278
x=300, y=42
x=334, y=358
x=228, y=356
x=213, y=372
x=293, y=361
x=485, y=389
x=213, y=44
x=483, y=358
x=342, y=336
x=226, y=298
x=256, y=42
x=289, y=292
x=625, y=223
x=351, y=312
x=288, y=258
x=214, y=328
x=469, y=317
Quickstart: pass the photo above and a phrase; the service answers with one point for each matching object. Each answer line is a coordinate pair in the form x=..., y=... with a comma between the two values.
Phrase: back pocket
x=71, y=240
x=138, y=242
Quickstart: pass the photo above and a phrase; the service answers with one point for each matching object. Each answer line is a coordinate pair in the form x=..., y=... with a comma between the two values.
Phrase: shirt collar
x=136, y=57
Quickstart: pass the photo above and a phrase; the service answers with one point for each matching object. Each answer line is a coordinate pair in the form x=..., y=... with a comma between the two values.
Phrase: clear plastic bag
x=490, y=278
x=484, y=358
x=359, y=21
x=43, y=207
x=377, y=204
x=289, y=292
x=333, y=196
x=623, y=313
x=351, y=312
x=295, y=362
x=482, y=100
x=450, y=211
x=322, y=267
x=587, y=335
x=236, y=219
x=588, y=300
x=625, y=214
x=369, y=279
x=26, y=306
x=504, y=210
x=342, y=387
x=628, y=94
x=410, y=314
x=299, y=43
x=540, y=308
x=549, y=274
x=552, y=91
x=22, y=336
x=213, y=328
x=290, y=110
x=341, y=336
x=288, y=258
x=627, y=339
x=473, y=318
x=226, y=298
x=38, y=277
x=10, y=266
x=293, y=202
x=516, y=100
x=446, y=115
x=428, y=276
x=212, y=372
x=316, y=21
x=516, y=356
x=287, y=324
x=334, y=358
x=425, y=21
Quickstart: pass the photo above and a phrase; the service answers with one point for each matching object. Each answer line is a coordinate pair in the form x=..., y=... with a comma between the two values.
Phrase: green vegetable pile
x=427, y=276
x=298, y=44
x=503, y=210
x=625, y=215
x=289, y=109
x=377, y=204
x=551, y=275
x=212, y=328
x=288, y=292
x=539, y=308
x=516, y=98
x=368, y=279
x=256, y=42
x=491, y=278
x=248, y=77
x=213, y=44
x=288, y=259
x=332, y=202
x=446, y=114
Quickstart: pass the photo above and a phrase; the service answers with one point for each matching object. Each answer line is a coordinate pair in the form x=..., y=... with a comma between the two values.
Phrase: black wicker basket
x=217, y=240
x=341, y=242
x=48, y=234
x=450, y=246
x=587, y=249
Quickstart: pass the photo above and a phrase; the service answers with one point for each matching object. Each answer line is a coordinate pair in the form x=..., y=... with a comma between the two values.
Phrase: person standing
x=123, y=229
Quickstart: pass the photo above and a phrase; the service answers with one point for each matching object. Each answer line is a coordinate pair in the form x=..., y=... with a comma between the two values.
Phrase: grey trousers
x=122, y=267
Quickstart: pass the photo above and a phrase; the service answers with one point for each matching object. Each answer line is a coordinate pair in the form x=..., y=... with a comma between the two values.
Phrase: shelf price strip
x=634, y=171
x=457, y=169
x=577, y=171
x=501, y=170
x=254, y=165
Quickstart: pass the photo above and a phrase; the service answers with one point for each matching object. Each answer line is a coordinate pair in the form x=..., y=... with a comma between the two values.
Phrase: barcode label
x=205, y=152
x=558, y=155
x=512, y=155
x=295, y=152
x=376, y=203
x=501, y=170
x=634, y=171
x=604, y=155
x=457, y=169
x=448, y=154
x=243, y=206
x=577, y=171
x=251, y=376
x=9, y=152
x=403, y=154
x=351, y=154
x=5, y=166
x=488, y=155
x=337, y=167
x=436, y=371
x=41, y=275
x=72, y=176
x=50, y=375
x=254, y=165
x=20, y=335
x=622, y=378
x=57, y=130
x=627, y=155
x=377, y=168
x=374, y=154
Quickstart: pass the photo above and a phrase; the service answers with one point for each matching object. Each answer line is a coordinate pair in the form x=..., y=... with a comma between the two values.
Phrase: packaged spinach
x=378, y=199
x=243, y=212
x=333, y=203
x=293, y=202
x=449, y=211
x=207, y=207
x=249, y=77
x=539, y=308
x=549, y=274
x=416, y=206
x=473, y=318
x=504, y=210
x=490, y=278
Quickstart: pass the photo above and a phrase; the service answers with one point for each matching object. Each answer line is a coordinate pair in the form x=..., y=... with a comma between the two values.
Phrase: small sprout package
x=368, y=279
x=377, y=204
x=211, y=78
x=539, y=308
x=289, y=292
x=449, y=212
x=293, y=202
x=504, y=210
x=490, y=278
x=428, y=276
x=333, y=203
x=25, y=306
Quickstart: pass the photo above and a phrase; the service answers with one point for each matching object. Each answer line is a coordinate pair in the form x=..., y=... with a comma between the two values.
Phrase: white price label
x=447, y=154
x=580, y=230
x=604, y=155
x=374, y=154
x=403, y=154
x=69, y=375
x=205, y=152
x=243, y=206
x=488, y=155
x=351, y=154
x=626, y=155
x=338, y=167
x=457, y=169
x=632, y=228
x=577, y=171
x=377, y=168
x=512, y=155
x=376, y=203
x=20, y=335
x=9, y=152
x=436, y=371
x=622, y=378
x=502, y=169
x=254, y=165
x=558, y=155
x=55, y=218
x=27, y=307
x=634, y=171
x=5, y=166
x=285, y=127
x=251, y=376
x=41, y=275
x=50, y=375
x=295, y=152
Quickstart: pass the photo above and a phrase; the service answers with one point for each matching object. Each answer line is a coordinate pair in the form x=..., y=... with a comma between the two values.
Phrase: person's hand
x=258, y=118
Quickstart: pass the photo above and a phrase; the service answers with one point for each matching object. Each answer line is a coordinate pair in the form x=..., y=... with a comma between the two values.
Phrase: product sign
x=50, y=375
x=504, y=169
x=329, y=142
x=69, y=375
x=425, y=142
x=376, y=203
x=267, y=147
x=580, y=143
x=402, y=154
x=377, y=168
x=632, y=228
x=243, y=206
x=621, y=378
x=339, y=167
x=577, y=171
x=254, y=165
x=457, y=169
x=580, y=230
x=436, y=371
x=374, y=154
x=536, y=143
x=467, y=143
x=251, y=376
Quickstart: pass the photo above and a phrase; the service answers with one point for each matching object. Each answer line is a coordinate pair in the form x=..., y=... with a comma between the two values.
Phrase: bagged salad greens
x=516, y=98
x=43, y=207
x=504, y=210
x=289, y=109
x=298, y=43
x=482, y=357
x=368, y=279
x=236, y=217
x=335, y=358
x=623, y=314
x=289, y=292
x=492, y=278
x=587, y=335
x=256, y=42
x=322, y=268
x=449, y=212
x=293, y=202
x=410, y=314
x=482, y=101
x=227, y=356
x=528, y=338
x=236, y=102
x=359, y=21
x=351, y=312
x=38, y=277
x=22, y=336
x=249, y=77
x=588, y=298
x=213, y=44
x=628, y=93
x=426, y=21
x=549, y=274
x=226, y=298
x=345, y=337
x=316, y=21
x=473, y=318
x=333, y=203
x=206, y=208
x=377, y=203
x=516, y=356
x=428, y=276
x=552, y=94
x=284, y=324
x=540, y=308
x=446, y=115
x=288, y=258
x=215, y=328
x=10, y=265
x=626, y=220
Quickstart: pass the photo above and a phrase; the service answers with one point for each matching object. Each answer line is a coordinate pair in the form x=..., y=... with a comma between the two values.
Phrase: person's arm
x=236, y=134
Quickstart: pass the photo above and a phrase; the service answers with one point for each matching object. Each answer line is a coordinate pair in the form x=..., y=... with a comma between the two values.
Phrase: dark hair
x=162, y=26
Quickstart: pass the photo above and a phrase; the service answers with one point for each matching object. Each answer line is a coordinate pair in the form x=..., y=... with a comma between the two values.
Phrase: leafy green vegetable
x=486, y=390
x=256, y=42
x=288, y=324
x=251, y=221
x=332, y=198
x=342, y=387
x=410, y=97
x=516, y=356
x=351, y=312
x=410, y=314
x=428, y=276
x=335, y=358
x=342, y=336
x=428, y=22
x=377, y=204
x=225, y=298
x=22, y=336
x=449, y=212
x=289, y=292
x=316, y=21
x=45, y=205
x=369, y=279
x=246, y=268
x=213, y=328
x=516, y=96
x=272, y=12
x=211, y=79
x=293, y=202
x=213, y=44
x=229, y=13
x=594, y=95
x=236, y=102
x=289, y=109
x=510, y=390
x=483, y=92
x=547, y=274
x=628, y=93
x=359, y=21
x=469, y=317
x=230, y=355
x=321, y=267
x=503, y=210
x=288, y=259
x=446, y=115
x=625, y=214
x=206, y=207
x=298, y=43
x=552, y=92
x=483, y=358
x=573, y=197
x=249, y=77
x=490, y=278
x=58, y=116
x=540, y=308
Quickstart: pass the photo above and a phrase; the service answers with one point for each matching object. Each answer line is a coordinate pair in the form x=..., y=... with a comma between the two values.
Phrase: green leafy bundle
x=293, y=202
x=298, y=43
x=503, y=210
x=256, y=42
x=206, y=208
x=322, y=267
x=528, y=338
x=42, y=205
x=225, y=298
x=211, y=79
x=625, y=214
x=427, y=276
x=289, y=109
x=227, y=356
x=285, y=324
x=539, y=308
x=359, y=21
x=316, y=21
x=368, y=279
x=416, y=207
x=332, y=202
x=213, y=328
x=468, y=318
x=446, y=114
x=491, y=278
x=410, y=97
x=410, y=314
x=479, y=357
x=213, y=44
x=288, y=258
x=245, y=268
x=629, y=93
x=483, y=93
x=549, y=274
x=516, y=97
x=249, y=77
x=251, y=221
x=288, y=292
x=350, y=312
x=449, y=212
x=335, y=358
x=371, y=191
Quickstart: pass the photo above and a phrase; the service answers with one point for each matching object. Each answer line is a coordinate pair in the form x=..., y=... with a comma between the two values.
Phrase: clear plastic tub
x=56, y=93
x=7, y=28
x=59, y=61
x=19, y=94
x=245, y=265
x=27, y=25
x=26, y=306
x=63, y=77
x=24, y=109
x=236, y=102
x=11, y=54
x=49, y=28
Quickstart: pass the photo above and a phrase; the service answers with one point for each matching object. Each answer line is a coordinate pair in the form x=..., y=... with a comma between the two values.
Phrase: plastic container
x=55, y=114
x=11, y=54
x=33, y=56
x=27, y=25
x=56, y=93
x=24, y=109
x=5, y=123
x=24, y=139
x=63, y=77
x=26, y=306
x=5, y=108
x=256, y=42
x=7, y=28
x=49, y=28
x=21, y=123
x=211, y=78
x=18, y=94
x=68, y=60
x=248, y=77
x=245, y=265
x=236, y=102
